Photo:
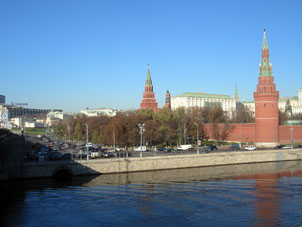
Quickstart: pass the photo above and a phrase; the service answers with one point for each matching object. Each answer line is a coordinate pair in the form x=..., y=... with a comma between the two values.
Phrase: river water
x=267, y=194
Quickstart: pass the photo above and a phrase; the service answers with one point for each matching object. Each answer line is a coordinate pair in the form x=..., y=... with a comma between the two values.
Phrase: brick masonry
x=247, y=133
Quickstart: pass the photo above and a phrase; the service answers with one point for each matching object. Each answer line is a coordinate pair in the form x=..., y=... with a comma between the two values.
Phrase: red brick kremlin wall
x=235, y=132
x=246, y=132
x=285, y=135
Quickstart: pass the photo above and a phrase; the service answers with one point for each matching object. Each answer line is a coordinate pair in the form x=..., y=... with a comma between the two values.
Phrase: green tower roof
x=265, y=65
x=264, y=44
x=148, y=79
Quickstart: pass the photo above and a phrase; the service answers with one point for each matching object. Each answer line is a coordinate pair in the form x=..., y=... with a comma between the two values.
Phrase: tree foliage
x=164, y=128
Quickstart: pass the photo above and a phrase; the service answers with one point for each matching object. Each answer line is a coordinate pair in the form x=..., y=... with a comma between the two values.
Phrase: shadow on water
x=15, y=190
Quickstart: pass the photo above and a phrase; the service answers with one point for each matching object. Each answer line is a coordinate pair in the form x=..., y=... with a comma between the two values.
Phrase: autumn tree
x=243, y=115
x=151, y=133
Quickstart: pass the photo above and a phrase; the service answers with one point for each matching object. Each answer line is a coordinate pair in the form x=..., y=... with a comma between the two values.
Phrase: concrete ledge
x=106, y=166
x=189, y=161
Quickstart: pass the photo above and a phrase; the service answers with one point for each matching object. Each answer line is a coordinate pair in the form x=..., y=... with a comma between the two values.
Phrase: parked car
x=95, y=154
x=185, y=147
x=286, y=147
x=178, y=150
x=143, y=148
x=250, y=148
x=170, y=150
x=234, y=146
x=56, y=156
x=209, y=148
x=107, y=154
x=161, y=149
x=279, y=146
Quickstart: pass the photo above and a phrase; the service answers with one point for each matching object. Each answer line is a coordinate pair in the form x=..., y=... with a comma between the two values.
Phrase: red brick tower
x=149, y=101
x=168, y=100
x=266, y=103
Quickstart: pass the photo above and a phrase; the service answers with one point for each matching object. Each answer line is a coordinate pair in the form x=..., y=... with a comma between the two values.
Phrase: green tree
x=78, y=131
x=95, y=137
x=59, y=131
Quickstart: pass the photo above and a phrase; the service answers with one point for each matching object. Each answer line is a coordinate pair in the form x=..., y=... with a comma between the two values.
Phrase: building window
x=264, y=105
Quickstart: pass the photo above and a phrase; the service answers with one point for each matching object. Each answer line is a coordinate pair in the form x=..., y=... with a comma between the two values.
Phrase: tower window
x=264, y=105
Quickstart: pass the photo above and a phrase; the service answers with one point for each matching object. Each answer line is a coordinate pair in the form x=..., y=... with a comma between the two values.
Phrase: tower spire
x=149, y=101
x=168, y=100
x=264, y=44
x=265, y=65
x=148, y=79
x=236, y=97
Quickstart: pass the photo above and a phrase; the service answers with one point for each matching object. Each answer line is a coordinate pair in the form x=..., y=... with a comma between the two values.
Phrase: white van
x=184, y=147
x=144, y=148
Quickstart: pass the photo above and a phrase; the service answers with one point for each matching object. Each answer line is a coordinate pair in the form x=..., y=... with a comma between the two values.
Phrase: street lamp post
x=114, y=138
x=240, y=135
x=291, y=137
x=197, y=137
x=185, y=132
x=68, y=128
x=87, y=148
x=141, y=131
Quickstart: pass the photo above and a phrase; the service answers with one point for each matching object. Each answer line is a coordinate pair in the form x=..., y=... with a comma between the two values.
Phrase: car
x=185, y=147
x=279, y=146
x=192, y=149
x=209, y=148
x=178, y=150
x=89, y=145
x=250, y=148
x=56, y=156
x=234, y=146
x=95, y=154
x=143, y=148
x=286, y=147
x=161, y=149
x=107, y=154
x=169, y=150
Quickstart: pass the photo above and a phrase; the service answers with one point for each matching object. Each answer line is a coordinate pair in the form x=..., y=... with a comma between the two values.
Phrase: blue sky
x=71, y=54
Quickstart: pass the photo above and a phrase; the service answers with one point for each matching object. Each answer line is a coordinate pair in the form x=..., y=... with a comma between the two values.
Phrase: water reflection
x=248, y=171
x=263, y=194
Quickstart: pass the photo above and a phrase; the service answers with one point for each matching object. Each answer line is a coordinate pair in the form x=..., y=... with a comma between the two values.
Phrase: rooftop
x=204, y=95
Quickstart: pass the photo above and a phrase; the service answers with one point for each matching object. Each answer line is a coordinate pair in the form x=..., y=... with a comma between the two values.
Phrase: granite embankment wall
x=105, y=166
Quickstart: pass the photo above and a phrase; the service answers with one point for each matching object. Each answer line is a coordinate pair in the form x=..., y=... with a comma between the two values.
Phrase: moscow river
x=266, y=194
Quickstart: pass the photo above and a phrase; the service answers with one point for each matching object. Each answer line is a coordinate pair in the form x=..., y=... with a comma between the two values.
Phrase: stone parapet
x=106, y=166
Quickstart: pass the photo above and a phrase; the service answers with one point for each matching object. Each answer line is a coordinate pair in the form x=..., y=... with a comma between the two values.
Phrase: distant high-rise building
x=149, y=101
x=2, y=99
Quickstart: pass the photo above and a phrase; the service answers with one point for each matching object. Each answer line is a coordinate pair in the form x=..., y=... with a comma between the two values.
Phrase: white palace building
x=200, y=99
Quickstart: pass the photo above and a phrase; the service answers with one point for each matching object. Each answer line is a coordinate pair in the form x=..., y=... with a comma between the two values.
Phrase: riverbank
x=127, y=165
